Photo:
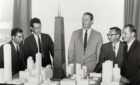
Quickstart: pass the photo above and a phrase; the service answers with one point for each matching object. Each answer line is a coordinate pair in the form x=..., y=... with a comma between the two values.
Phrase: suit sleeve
x=71, y=52
x=99, y=44
x=98, y=68
x=1, y=57
x=25, y=51
x=51, y=46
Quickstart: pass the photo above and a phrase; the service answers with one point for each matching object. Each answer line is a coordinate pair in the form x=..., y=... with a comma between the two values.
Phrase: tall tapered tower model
x=59, y=48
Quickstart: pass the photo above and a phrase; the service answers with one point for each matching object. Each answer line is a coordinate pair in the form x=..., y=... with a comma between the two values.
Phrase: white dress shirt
x=15, y=45
x=130, y=43
x=88, y=33
x=116, y=48
x=36, y=39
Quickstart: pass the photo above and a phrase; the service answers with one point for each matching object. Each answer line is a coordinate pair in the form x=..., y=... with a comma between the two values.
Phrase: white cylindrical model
x=1, y=75
x=38, y=63
x=107, y=71
x=7, y=62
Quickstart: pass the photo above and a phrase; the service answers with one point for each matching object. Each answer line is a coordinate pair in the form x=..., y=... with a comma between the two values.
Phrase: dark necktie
x=85, y=41
x=125, y=49
x=39, y=44
x=114, y=48
x=18, y=53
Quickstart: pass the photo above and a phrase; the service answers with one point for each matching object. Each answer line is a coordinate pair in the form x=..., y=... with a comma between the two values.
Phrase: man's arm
x=1, y=57
x=98, y=68
x=71, y=52
x=100, y=42
x=51, y=46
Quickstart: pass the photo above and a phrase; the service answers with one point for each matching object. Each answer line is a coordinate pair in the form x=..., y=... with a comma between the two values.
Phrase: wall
x=6, y=20
x=107, y=13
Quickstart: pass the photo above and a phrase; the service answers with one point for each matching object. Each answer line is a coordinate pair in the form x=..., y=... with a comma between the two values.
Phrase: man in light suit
x=131, y=64
x=85, y=44
x=112, y=50
x=38, y=42
x=16, y=50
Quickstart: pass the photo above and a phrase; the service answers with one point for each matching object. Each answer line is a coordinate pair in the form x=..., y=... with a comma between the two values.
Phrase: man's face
x=86, y=21
x=113, y=36
x=36, y=28
x=18, y=38
x=126, y=34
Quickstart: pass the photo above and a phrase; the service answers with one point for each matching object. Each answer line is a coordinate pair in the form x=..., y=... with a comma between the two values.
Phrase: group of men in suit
x=22, y=49
x=86, y=48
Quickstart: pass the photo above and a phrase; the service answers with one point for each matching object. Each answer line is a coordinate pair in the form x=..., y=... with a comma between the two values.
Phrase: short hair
x=131, y=28
x=16, y=30
x=34, y=20
x=117, y=29
x=90, y=14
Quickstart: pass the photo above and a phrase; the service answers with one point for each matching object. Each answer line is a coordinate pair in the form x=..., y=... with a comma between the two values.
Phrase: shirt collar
x=130, y=43
x=15, y=45
x=37, y=35
x=88, y=31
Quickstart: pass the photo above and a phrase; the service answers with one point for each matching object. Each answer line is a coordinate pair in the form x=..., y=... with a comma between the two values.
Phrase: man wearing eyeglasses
x=112, y=50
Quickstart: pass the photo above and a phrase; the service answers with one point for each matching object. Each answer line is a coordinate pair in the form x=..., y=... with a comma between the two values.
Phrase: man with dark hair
x=131, y=64
x=112, y=50
x=85, y=44
x=17, y=51
x=38, y=42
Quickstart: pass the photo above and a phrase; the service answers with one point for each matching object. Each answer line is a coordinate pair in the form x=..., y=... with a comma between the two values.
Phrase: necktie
x=114, y=48
x=18, y=53
x=39, y=44
x=125, y=49
x=85, y=40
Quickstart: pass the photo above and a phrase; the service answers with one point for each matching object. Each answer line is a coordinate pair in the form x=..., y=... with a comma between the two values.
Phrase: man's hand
x=124, y=80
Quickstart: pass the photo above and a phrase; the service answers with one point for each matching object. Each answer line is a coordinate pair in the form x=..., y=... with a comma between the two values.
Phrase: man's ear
x=92, y=22
x=31, y=29
x=133, y=34
x=13, y=37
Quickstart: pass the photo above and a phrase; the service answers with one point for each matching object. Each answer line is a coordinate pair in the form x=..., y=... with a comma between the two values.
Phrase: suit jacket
x=131, y=64
x=107, y=53
x=76, y=52
x=30, y=48
x=17, y=62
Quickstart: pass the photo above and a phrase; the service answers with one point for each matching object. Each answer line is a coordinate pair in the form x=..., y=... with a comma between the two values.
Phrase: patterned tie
x=39, y=44
x=85, y=41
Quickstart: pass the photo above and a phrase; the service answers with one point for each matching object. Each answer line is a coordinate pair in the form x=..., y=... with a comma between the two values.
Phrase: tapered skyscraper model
x=59, y=51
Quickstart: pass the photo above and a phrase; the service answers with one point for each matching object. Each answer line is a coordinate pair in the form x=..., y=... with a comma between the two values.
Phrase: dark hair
x=34, y=20
x=14, y=31
x=90, y=14
x=117, y=29
x=131, y=28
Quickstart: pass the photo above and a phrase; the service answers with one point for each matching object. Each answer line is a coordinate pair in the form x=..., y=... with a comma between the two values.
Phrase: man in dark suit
x=17, y=51
x=38, y=42
x=112, y=50
x=131, y=64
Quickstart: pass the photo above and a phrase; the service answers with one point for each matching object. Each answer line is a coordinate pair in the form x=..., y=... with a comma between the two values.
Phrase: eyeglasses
x=111, y=34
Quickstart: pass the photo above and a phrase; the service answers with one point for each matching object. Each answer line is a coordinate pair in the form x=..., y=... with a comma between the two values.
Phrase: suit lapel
x=132, y=47
x=91, y=36
x=120, y=49
x=34, y=42
x=80, y=37
x=13, y=49
x=111, y=50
